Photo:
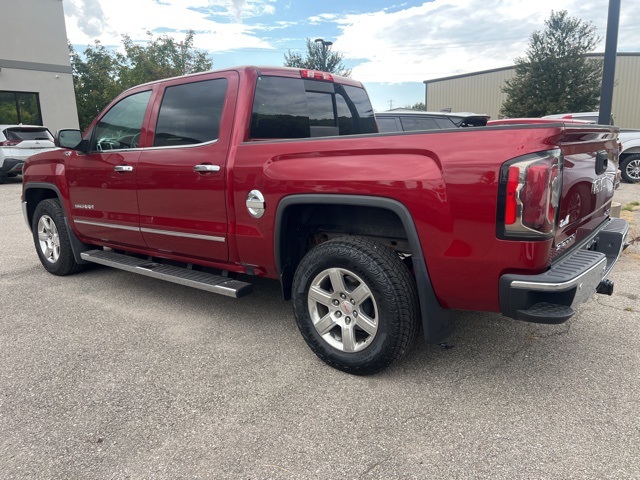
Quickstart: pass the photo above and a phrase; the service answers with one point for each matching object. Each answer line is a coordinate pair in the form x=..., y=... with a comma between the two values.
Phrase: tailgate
x=26, y=148
x=589, y=177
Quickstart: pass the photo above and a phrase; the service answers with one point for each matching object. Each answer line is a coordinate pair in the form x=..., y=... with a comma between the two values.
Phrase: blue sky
x=390, y=47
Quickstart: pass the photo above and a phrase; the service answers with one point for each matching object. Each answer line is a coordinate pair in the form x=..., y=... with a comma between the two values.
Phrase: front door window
x=121, y=126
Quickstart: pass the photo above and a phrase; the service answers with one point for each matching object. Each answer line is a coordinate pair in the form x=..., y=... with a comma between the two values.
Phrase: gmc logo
x=598, y=185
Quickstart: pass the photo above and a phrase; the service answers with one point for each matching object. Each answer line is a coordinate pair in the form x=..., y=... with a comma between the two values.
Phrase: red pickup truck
x=208, y=179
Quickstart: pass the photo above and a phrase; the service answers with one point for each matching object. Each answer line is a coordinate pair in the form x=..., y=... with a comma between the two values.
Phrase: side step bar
x=183, y=276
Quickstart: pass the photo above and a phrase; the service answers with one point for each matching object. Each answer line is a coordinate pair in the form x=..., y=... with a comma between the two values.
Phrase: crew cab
x=210, y=179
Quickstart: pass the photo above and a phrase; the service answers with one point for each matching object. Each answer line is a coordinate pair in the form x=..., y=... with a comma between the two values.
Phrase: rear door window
x=190, y=113
x=297, y=108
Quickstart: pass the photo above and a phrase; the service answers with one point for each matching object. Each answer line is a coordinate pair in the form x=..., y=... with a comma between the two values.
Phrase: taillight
x=10, y=143
x=530, y=188
x=316, y=75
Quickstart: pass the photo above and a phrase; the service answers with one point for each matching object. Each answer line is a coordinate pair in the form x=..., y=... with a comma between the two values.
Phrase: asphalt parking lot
x=106, y=374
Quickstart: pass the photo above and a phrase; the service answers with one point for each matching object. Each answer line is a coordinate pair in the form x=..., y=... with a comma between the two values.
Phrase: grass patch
x=631, y=206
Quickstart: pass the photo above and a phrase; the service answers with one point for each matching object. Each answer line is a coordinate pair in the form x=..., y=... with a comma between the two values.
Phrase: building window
x=20, y=107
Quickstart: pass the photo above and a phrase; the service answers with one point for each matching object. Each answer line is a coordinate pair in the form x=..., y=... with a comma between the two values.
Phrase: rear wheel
x=356, y=304
x=3, y=178
x=51, y=239
x=630, y=168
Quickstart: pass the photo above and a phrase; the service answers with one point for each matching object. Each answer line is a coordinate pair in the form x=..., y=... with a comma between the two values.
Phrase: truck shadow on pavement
x=482, y=345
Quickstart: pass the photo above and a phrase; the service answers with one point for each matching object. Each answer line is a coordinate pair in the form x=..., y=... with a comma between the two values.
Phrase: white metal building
x=480, y=92
x=36, y=84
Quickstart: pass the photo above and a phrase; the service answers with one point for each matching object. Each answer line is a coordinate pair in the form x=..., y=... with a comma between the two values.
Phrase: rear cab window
x=19, y=134
x=303, y=108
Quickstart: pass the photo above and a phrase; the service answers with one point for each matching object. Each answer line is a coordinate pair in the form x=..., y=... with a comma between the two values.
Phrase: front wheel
x=630, y=168
x=356, y=304
x=51, y=239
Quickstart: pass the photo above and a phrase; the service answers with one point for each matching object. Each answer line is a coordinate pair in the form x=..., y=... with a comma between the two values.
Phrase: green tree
x=315, y=59
x=95, y=80
x=555, y=76
x=162, y=57
x=101, y=74
x=418, y=106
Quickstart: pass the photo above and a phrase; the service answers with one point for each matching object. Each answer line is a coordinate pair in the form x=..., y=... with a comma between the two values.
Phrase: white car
x=17, y=143
x=629, y=142
x=591, y=117
x=630, y=155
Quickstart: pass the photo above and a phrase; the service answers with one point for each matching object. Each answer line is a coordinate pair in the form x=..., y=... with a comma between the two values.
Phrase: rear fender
x=435, y=319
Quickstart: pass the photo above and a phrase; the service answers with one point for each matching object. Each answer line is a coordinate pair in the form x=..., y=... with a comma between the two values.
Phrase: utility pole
x=325, y=48
x=390, y=104
x=609, y=67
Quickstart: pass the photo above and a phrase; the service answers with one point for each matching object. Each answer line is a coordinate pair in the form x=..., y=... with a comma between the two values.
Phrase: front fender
x=35, y=192
x=630, y=142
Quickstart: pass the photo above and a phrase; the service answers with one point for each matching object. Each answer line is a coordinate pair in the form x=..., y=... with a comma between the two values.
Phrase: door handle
x=206, y=168
x=123, y=168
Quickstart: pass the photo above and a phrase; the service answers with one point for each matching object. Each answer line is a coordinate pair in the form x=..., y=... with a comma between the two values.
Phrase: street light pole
x=609, y=67
x=325, y=48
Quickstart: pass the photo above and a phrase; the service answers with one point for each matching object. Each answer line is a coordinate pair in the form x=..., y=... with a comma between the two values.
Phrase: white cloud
x=88, y=20
x=323, y=17
x=399, y=43
x=447, y=37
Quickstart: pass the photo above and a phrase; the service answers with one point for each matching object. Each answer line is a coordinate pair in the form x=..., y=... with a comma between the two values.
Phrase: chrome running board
x=226, y=286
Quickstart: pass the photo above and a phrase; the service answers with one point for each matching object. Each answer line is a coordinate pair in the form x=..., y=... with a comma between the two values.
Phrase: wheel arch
x=33, y=194
x=289, y=235
x=36, y=192
x=629, y=151
x=625, y=161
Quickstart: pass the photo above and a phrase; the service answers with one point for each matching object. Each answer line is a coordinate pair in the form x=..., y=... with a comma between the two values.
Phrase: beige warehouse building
x=480, y=92
x=36, y=85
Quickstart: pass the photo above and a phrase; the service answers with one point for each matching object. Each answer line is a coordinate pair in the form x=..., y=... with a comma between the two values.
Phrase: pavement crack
x=373, y=467
x=558, y=333
x=622, y=308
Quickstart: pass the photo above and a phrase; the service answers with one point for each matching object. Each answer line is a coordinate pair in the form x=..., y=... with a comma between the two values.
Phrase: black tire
x=630, y=168
x=362, y=313
x=3, y=178
x=51, y=239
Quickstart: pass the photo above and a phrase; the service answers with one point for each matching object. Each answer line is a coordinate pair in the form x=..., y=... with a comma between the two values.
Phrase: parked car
x=537, y=121
x=17, y=143
x=404, y=120
x=591, y=117
x=630, y=155
x=629, y=147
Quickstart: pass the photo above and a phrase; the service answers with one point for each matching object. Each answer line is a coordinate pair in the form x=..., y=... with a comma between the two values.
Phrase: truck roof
x=261, y=70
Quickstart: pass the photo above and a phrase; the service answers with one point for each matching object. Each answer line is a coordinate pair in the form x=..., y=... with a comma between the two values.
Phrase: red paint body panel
x=452, y=196
x=448, y=181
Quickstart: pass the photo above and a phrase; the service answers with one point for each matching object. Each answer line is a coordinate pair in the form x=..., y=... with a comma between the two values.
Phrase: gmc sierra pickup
x=280, y=173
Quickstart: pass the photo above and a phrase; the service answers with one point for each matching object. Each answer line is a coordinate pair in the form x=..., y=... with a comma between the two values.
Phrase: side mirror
x=70, y=138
